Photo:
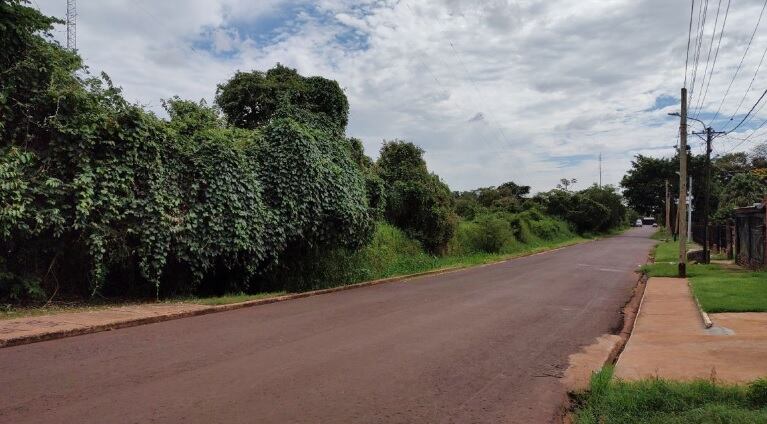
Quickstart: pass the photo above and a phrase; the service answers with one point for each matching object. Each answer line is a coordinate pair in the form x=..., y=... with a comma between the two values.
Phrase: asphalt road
x=483, y=345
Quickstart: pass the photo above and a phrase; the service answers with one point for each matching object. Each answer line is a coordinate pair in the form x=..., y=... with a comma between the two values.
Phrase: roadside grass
x=662, y=401
x=718, y=288
x=472, y=259
x=725, y=289
x=232, y=298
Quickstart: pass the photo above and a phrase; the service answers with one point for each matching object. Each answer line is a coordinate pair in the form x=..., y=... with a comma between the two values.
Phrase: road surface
x=483, y=345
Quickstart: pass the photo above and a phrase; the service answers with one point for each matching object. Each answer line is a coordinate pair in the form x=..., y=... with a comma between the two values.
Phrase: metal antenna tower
x=72, y=24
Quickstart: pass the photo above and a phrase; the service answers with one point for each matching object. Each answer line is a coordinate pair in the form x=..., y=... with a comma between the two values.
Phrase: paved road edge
x=605, y=351
x=133, y=322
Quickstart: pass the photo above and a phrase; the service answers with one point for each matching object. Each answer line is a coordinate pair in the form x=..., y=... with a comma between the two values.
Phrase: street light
x=694, y=119
x=710, y=135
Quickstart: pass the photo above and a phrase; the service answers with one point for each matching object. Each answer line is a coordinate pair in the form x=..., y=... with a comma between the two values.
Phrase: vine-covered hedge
x=101, y=196
x=261, y=191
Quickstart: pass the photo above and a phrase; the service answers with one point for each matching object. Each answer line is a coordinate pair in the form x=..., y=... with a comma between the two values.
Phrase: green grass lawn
x=723, y=289
x=719, y=288
x=661, y=401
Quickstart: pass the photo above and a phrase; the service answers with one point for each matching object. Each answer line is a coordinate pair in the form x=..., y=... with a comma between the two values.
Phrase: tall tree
x=644, y=185
x=251, y=99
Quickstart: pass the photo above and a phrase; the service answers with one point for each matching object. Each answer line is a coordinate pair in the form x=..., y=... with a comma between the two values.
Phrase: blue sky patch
x=663, y=101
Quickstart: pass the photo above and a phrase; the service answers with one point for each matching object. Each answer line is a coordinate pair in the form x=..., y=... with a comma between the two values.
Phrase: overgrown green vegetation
x=661, y=401
x=261, y=192
x=718, y=287
x=737, y=179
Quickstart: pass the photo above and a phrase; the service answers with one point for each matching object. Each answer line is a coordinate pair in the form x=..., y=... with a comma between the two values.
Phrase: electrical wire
x=702, y=15
x=428, y=69
x=708, y=57
x=689, y=37
x=749, y=112
x=749, y=85
x=474, y=85
x=739, y=64
x=716, y=55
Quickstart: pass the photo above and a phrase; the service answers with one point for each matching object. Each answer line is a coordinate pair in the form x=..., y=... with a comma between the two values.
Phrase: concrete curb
x=630, y=315
x=628, y=328
x=703, y=315
x=133, y=322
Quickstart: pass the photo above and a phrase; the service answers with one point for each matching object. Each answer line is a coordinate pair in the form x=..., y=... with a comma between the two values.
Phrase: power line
x=740, y=64
x=471, y=81
x=749, y=85
x=428, y=69
x=474, y=85
x=749, y=112
x=689, y=36
x=716, y=55
x=738, y=145
x=748, y=137
x=708, y=57
x=702, y=15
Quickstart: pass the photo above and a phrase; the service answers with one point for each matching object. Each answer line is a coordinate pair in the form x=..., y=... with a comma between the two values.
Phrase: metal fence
x=750, y=236
x=718, y=242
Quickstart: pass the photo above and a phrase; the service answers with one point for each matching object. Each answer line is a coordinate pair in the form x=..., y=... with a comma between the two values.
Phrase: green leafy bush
x=756, y=392
x=492, y=233
x=416, y=201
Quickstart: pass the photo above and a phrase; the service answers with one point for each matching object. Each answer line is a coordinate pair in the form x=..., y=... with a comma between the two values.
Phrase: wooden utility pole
x=710, y=133
x=706, y=198
x=683, y=187
x=668, y=209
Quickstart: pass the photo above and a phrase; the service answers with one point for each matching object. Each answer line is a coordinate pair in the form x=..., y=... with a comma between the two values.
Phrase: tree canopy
x=251, y=99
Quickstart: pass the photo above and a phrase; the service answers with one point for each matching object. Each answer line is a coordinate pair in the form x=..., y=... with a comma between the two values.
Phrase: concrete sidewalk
x=670, y=341
x=44, y=327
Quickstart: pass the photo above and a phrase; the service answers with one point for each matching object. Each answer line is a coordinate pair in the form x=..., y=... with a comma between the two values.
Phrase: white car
x=638, y=223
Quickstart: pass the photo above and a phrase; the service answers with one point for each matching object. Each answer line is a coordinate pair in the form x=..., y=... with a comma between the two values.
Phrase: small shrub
x=462, y=242
x=757, y=393
x=493, y=233
x=417, y=201
x=524, y=234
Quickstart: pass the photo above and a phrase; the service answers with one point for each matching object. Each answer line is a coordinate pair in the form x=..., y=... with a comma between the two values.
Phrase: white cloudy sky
x=497, y=90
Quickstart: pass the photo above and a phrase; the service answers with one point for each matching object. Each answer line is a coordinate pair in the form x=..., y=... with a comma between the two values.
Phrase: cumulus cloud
x=557, y=82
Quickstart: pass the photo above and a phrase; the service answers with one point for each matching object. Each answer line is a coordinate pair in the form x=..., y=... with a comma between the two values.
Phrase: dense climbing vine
x=101, y=196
